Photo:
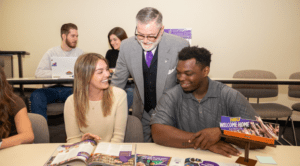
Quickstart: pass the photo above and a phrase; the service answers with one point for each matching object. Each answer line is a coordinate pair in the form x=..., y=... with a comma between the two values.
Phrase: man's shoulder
x=225, y=91
x=76, y=52
x=77, y=49
x=129, y=40
x=173, y=39
x=58, y=52
x=54, y=51
x=129, y=44
x=175, y=91
x=56, y=48
x=220, y=89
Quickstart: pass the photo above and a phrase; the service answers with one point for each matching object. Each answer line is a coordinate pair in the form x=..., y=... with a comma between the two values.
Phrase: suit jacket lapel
x=137, y=68
x=163, y=64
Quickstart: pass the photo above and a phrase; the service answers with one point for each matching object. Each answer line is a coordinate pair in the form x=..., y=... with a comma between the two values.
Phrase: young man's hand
x=205, y=138
x=224, y=149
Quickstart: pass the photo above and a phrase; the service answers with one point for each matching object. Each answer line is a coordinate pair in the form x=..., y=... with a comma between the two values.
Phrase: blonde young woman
x=96, y=110
x=15, y=126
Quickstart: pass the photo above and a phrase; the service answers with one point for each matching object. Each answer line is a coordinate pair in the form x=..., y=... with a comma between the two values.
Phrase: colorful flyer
x=250, y=129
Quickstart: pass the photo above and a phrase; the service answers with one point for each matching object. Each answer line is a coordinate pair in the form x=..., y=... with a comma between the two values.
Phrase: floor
x=58, y=134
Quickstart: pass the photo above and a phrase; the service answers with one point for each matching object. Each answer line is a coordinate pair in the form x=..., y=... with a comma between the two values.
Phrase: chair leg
x=294, y=131
x=294, y=134
x=279, y=142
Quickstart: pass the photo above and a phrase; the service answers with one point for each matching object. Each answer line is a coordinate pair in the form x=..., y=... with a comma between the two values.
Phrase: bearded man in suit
x=150, y=57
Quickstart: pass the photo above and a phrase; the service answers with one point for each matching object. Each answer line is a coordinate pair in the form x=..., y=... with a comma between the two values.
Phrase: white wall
x=241, y=34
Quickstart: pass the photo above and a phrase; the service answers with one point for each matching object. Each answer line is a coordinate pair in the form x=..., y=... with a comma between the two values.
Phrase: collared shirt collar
x=153, y=51
x=211, y=92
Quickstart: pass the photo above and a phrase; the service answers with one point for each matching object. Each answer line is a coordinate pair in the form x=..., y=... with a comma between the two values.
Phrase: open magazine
x=255, y=130
x=88, y=152
x=148, y=160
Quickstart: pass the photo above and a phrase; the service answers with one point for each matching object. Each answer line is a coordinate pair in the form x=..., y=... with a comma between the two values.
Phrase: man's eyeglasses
x=142, y=37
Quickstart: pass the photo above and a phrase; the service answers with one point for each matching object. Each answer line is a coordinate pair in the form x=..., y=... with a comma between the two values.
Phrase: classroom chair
x=134, y=130
x=264, y=110
x=40, y=128
x=55, y=108
x=294, y=91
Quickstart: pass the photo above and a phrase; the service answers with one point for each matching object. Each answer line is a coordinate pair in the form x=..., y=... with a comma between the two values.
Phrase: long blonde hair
x=84, y=70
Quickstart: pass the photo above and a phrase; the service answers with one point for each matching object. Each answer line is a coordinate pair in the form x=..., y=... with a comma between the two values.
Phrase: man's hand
x=205, y=138
x=90, y=136
x=224, y=149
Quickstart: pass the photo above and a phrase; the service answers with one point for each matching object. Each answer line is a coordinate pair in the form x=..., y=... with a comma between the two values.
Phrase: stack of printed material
x=250, y=129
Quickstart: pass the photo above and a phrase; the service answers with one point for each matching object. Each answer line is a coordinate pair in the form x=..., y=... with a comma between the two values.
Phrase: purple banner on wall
x=185, y=33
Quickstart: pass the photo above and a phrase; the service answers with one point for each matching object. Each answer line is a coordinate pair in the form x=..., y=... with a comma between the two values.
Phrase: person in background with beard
x=55, y=93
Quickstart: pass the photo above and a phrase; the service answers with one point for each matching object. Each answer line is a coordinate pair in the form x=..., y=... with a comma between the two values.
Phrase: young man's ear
x=63, y=36
x=206, y=70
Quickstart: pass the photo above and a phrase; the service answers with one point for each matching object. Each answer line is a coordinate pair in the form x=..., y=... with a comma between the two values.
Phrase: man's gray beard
x=153, y=44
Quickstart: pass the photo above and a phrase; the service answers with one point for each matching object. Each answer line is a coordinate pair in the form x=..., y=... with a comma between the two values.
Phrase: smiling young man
x=189, y=114
x=41, y=97
x=150, y=57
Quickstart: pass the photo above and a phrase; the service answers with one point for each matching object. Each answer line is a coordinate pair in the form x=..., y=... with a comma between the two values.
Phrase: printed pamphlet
x=89, y=153
x=148, y=160
x=250, y=129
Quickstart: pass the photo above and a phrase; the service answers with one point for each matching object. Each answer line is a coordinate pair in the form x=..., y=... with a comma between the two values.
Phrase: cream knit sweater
x=110, y=128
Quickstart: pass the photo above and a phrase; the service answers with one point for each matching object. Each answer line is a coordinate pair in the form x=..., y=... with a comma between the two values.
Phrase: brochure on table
x=148, y=160
x=88, y=152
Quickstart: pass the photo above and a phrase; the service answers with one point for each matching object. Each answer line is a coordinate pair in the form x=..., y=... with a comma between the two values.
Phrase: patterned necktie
x=149, y=57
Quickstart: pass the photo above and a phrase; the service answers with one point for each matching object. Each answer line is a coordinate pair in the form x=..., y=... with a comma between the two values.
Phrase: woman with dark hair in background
x=96, y=110
x=115, y=37
x=15, y=126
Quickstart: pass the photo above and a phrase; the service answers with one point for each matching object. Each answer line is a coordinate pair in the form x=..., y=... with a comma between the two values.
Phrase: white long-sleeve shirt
x=44, y=69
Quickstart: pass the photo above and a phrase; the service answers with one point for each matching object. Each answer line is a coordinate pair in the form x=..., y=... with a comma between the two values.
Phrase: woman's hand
x=90, y=136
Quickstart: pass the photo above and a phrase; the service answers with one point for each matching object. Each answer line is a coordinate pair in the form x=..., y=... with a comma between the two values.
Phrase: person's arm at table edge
x=44, y=69
x=25, y=134
x=170, y=136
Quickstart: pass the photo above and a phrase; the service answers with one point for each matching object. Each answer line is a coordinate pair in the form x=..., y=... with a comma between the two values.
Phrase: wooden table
x=38, y=154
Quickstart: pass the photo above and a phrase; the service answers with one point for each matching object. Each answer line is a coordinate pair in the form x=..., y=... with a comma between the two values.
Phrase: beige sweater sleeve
x=72, y=129
x=121, y=115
